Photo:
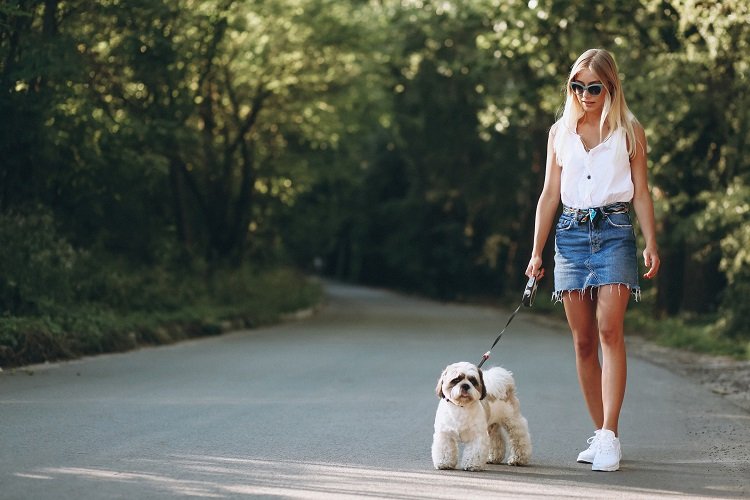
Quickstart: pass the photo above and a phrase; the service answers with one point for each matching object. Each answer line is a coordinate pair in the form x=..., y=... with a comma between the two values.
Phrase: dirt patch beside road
x=721, y=374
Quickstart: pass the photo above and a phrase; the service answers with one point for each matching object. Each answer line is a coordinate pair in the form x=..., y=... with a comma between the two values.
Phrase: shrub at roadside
x=59, y=303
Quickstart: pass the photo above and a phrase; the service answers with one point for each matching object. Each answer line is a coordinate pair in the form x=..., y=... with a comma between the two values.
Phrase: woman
x=596, y=164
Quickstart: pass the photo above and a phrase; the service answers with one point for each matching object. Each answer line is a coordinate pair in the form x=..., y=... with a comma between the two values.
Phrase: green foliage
x=36, y=263
x=698, y=334
x=135, y=307
x=397, y=142
x=692, y=91
x=727, y=216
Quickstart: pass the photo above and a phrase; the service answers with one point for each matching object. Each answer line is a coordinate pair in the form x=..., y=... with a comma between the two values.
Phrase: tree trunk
x=184, y=233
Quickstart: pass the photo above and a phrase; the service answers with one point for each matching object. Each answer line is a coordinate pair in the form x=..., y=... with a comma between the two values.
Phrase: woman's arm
x=546, y=208
x=643, y=203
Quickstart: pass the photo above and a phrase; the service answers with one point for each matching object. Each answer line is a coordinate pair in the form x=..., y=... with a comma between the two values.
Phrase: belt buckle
x=593, y=214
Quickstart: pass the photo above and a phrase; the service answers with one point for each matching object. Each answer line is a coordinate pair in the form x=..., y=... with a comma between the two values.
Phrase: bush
x=730, y=213
x=118, y=306
x=36, y=264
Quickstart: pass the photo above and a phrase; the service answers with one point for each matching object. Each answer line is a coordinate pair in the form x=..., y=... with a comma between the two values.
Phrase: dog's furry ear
x=481, y=382
x=439, y=388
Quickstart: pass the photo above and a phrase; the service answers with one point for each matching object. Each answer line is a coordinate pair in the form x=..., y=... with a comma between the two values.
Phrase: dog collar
x=454, y=404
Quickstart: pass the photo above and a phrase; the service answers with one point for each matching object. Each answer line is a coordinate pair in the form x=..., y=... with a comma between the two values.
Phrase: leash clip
x=485, y=357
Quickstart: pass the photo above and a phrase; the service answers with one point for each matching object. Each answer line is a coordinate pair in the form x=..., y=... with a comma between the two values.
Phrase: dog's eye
x=456, y=380
x=474, y=381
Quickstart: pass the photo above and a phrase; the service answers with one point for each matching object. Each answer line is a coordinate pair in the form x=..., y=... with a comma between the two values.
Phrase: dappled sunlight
x=155, y=481
x=220, y=477
x=32, y=476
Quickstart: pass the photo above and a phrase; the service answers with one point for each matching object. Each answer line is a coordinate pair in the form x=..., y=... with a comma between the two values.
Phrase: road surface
x=341, y=405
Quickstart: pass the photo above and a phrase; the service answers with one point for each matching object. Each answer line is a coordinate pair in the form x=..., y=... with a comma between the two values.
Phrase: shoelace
x=606, y=445
x=593, y=442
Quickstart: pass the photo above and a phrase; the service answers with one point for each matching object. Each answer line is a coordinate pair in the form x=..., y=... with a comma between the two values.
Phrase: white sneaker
x=608, y=453
x=587, y=455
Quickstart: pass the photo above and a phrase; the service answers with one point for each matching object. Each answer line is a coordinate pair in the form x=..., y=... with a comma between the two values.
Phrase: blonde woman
x=596, y=164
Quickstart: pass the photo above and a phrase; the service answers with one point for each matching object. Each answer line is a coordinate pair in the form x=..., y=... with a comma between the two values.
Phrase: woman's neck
x=591, y=118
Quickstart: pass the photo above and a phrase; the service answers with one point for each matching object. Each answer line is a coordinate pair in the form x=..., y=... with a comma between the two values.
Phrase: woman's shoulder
x=633, y=134
x=558, y=127
x=559, y=139
x=636, y=127
x=633, y=122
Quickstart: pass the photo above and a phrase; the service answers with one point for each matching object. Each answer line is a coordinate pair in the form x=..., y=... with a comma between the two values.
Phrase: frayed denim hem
x=557, y=295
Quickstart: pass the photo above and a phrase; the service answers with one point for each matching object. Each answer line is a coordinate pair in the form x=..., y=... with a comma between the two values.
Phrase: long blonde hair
x=615, y=113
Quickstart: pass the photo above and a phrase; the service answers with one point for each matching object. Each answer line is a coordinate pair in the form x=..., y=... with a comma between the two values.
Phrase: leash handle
x=529, y=293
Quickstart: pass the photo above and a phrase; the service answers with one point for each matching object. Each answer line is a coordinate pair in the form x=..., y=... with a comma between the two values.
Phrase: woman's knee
x=586, y=344
x=611, y=335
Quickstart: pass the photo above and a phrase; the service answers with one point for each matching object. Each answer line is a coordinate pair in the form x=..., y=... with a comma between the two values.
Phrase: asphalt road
x=341, y=405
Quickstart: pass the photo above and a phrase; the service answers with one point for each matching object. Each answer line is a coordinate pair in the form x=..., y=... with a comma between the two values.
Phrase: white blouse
x=597, y=177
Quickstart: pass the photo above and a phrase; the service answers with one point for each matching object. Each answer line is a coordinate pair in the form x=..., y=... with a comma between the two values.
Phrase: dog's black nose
x=465, y=387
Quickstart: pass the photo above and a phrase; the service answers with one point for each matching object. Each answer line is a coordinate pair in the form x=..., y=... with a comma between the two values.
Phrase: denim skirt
x=590, y=254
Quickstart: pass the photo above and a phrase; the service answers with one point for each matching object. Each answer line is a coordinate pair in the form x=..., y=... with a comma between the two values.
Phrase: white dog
x=480, y=410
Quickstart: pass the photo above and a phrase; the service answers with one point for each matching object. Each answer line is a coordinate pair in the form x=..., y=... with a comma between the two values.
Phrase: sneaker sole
x=581, y=461
x=606, y=469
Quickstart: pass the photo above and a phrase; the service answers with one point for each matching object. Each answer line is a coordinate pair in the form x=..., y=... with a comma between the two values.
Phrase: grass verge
x=696, y=333
x=182, y=308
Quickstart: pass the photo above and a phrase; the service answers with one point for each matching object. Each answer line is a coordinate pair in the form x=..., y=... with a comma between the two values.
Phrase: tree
x=696, y=102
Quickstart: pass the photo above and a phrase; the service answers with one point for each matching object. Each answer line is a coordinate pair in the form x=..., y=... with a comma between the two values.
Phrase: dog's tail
x=499, y=382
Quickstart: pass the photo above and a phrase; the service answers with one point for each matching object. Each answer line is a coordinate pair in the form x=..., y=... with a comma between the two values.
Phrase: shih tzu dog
x=481, y=411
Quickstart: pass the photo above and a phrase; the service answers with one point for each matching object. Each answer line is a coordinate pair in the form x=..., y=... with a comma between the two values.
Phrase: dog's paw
x=473, y=467
x=445, y=466
x=517, y=460
x=495, y=458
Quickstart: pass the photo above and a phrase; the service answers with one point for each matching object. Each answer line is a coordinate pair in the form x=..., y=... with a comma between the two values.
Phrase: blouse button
x=588, y=177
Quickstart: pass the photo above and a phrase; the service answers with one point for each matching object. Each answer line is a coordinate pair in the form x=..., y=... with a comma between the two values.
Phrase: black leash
x=527, y=300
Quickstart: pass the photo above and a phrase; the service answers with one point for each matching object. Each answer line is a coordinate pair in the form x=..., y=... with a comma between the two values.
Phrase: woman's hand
x=535, y=268
x=651, y=259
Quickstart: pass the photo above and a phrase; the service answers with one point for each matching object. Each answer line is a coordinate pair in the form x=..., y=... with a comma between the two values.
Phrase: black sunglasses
x=594, y=88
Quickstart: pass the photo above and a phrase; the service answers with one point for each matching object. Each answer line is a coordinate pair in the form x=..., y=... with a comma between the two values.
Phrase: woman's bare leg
x=580, y=310
x=611, y=304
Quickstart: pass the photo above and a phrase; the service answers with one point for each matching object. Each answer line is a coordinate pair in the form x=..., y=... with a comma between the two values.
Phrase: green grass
x=152, y=311
x=702, y=333
x=696, y=333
